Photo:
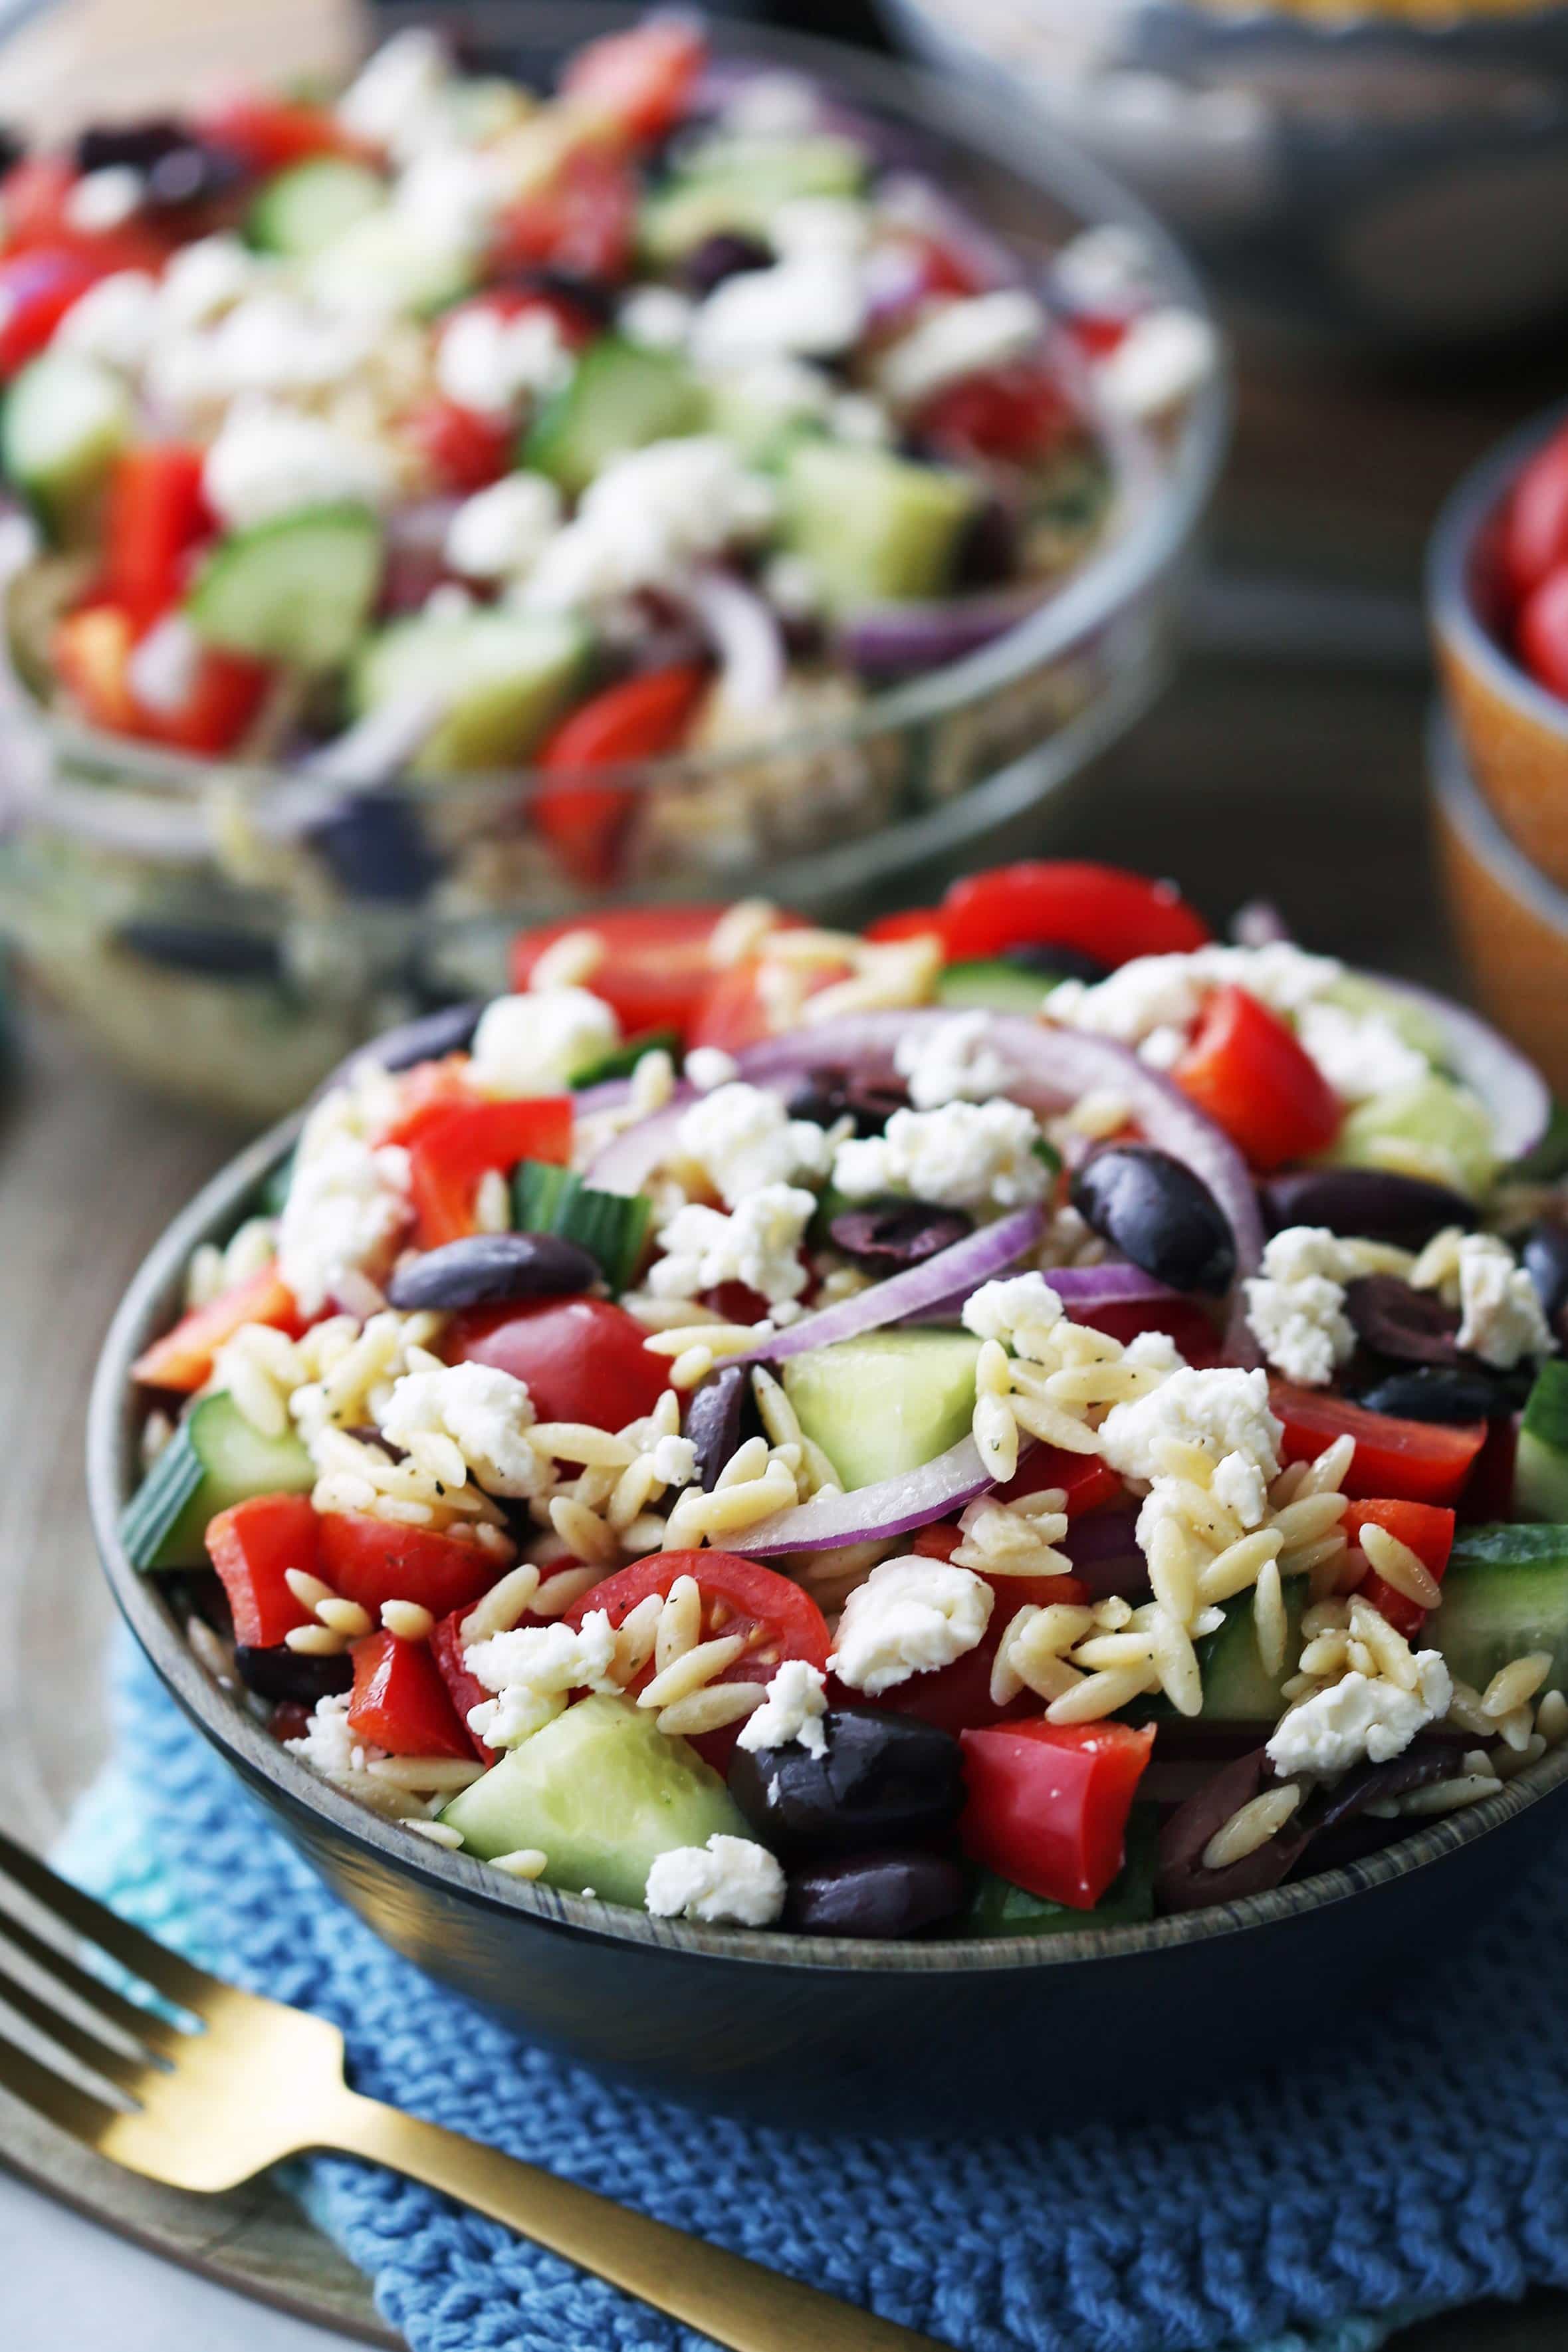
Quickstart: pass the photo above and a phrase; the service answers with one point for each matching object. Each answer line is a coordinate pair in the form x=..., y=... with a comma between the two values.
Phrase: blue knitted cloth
x=1418, y=2161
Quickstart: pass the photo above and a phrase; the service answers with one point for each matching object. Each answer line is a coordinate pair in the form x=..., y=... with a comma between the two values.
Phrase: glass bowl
x=228, y=932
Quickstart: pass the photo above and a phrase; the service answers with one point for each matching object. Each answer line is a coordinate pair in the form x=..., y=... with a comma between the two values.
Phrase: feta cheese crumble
x=809, y=306
x=485, y=1412
x=1360, y=1054
x=1295, y=1307
x=792, y=1710
x=114, y=321
x=532, y=1670
x=1225, y=1411
x=1019, y=1303
x=730, y=1882
x=502, y=531
x=1362, y=1715
x=964, y=1156
x=268, y=461
x=743, y=1138
x=953, y=1062
x=648, y=517
x=106, y=199
x=1160, y=361
x=758, y=1244
x=910, y=1617
x=1499, y=1304
x=162, y=671
x=1153, y=1002
x=959, y=340
x=489, y=363
x=657, y=317
x=346, y=1211
x=395, y=100
x=535, y=1043
x=708, y=1067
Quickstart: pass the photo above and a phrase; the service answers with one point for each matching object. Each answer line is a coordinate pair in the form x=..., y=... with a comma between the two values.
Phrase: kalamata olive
x=830, y=1095
x=377, y=847
x=105, y=146
x=1545, y=1256
x=874, y=1895
x=1414, y=1327
x=211, y=951
x=1153, y=1209
x=987, y=550
x=449, y=1030
x=1371, y=1203
x=1056, y=963
x=286, y=1673
x=1460, y=1392
x=1182, y=1884
x=486, y=1269
x=591, y=296
x=726, y=254
x=12, y=147
x=882, y=1780
x=1416, y=1767
x=721, y=1416
x=887, y=1237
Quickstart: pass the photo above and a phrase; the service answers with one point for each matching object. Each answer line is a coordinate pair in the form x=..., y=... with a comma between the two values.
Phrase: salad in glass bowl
x=463, y=500
x=1018, y=1418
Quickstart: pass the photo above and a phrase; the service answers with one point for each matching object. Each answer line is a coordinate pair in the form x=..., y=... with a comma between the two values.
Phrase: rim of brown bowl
x=112, y=1468
x=1456, y=624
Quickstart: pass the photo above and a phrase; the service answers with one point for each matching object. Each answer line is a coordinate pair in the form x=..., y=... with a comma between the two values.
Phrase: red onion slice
x=952, y=1274
x=746, y=636
x=1512, y=1088
x=894, y=1506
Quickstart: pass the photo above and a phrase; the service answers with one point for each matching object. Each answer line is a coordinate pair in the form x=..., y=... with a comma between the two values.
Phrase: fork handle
x=734, y=2302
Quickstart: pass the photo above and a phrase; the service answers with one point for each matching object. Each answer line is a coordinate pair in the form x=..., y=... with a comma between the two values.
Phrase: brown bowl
x=1514, y=734
x=1511, y=923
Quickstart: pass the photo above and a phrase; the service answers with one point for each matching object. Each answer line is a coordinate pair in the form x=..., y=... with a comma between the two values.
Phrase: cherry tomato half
x=1544, y=631
x=583, y=222
x=582, y=1358
x=656, y=969
x=1535, y=525
x=1247, y=1070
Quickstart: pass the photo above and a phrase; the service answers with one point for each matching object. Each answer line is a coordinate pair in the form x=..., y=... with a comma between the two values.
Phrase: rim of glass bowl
x=1163, y=497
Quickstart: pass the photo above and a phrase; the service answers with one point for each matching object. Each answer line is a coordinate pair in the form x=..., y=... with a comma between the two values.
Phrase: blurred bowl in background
x=1375, y=179
x=1515, y=731
x=1511, y=923
x=228, y=933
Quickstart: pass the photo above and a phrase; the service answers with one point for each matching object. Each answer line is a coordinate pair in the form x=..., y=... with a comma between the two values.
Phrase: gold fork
x=248, y=2082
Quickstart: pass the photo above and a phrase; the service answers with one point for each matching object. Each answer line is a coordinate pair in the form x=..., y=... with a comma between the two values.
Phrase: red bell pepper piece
x=458, y=1144
x=183, y=1358
x=1429, y=1532
x=400, y=1702
x=465, y=449
x=1247, y=1070
x=465, y=1690
x=269, y=134
x=1018, y=414
x=253, y=1546
x=157, y=512
x=36, y=289
x=642, y=81
x=582, y=222
x=1083, y=1478
x=226, y=693
x=1049, y=1804
x=92, y=648
x=374, y=1561
x=641, y=719
x=1415, y=1460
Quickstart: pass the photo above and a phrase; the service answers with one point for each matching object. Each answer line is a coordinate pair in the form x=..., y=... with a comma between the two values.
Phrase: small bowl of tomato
x=1497, y=601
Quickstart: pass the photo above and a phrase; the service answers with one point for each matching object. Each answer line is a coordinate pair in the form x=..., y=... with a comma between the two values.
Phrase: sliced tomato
x=1534, y=538
x=457, y=1144
x=1048, y=1803
x=253, y=1546
x=1412, y=1461
x=583, y=222
x=642, y=81
x=773, y=1616
x=269, y=134
x=183, y=1358
x=157, y=512
x=465, y=1690
x=735, y=1013
x=643, y=717
x=36, y=289
x=1544, y=631
x=399, y=1701
x=1428, y=1531
x=92, y=648
x=465, y=449
x=658, y=968
x=1020, y=414
x=1246, y=1069
x=373, y=1561
x=1099, y=910
x=583, y=1358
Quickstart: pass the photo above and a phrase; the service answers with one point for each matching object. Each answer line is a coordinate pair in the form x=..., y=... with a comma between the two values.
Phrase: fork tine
x=108, y=2006
x=48, y=2093
x=175, y=1979
x=113, y=2066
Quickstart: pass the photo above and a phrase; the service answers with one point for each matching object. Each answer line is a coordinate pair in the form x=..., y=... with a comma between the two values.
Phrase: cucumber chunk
x=1236, y=1687
x=997, y=1907
x=1541, y=1465
x=611, y=1226
x=298, y=590
x=876, y=529
x=1433, y=1128
x=622, y=397
x=603, y=1791
x=213, y=1460
x=1505, y=1592
x=883, y=1405
x=383, y=258
x=505, y=676
x=303, y=209
x=67, y=419
x=991, y=985
x=738, y=183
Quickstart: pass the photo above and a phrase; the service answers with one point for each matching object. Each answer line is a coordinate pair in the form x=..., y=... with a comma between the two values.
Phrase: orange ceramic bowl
x=1510, y=922
x=1515, y=733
